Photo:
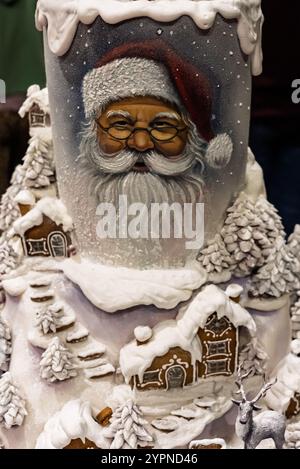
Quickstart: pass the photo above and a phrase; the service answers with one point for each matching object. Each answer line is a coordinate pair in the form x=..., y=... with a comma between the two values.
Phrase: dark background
x=275, y=127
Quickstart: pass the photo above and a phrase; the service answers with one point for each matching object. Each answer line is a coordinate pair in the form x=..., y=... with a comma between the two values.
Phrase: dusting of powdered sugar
x=62, y=18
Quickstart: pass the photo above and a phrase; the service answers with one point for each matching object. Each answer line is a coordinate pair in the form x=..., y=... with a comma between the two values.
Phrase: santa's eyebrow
x=167, y=115
x=120, y=113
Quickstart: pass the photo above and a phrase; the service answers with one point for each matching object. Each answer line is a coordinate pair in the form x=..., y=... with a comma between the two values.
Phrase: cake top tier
x=62, y=18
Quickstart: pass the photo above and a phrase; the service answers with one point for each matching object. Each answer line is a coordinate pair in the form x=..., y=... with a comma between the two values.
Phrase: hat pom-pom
x=219, y=151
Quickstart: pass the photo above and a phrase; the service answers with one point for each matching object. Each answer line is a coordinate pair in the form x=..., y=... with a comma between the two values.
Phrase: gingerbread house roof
x=35, y=96
x=74, y=420
x=287, y=384
x=136, y=359
x=48, y=206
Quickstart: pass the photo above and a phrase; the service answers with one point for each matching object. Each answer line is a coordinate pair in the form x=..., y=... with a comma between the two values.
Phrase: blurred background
x=275, y=128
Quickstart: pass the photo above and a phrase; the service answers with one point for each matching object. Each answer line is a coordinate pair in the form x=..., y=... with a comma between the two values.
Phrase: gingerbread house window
x=217, y=326
x=37, y=119
x=37, y=247
x=219, y=347
x=215, y=367
x=175, y=377
x=151, y=377
x=58, y=244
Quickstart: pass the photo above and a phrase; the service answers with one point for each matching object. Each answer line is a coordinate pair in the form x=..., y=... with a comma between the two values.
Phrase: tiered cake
x=143, y=270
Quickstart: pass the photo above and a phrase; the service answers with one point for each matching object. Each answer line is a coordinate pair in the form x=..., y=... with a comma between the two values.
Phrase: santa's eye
x=162, y=124
x=120, y=124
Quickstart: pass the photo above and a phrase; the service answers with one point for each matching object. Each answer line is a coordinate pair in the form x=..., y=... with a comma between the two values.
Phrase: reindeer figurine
x=268, y=424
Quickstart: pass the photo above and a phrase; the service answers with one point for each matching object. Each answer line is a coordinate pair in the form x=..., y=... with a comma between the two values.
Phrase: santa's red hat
x=152, y=68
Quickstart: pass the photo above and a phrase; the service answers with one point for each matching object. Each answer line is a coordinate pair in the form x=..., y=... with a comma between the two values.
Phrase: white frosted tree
x=57, y=363
x=5, y=346
x=12, y=404
x=127, y=429
x=279, y=275
x=215, y=258
x=249, y=233
x=8, y=259
x=294, y=242
x=48, y=318
x=38, y=163
x=253, y=359
x=295, y=312
x=9, y=210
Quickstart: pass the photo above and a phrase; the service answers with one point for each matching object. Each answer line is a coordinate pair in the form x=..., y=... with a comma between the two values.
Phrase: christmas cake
x=146, y=282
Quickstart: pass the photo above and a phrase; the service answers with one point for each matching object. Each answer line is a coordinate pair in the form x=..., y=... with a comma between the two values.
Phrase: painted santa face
x=164, y=128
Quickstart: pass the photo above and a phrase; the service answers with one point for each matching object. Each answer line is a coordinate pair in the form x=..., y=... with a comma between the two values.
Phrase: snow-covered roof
x=25, y=197
x=35, y=96
x=61, y=18
x=136, y=359
x=74, y=420
x=287, y=384
x=48, y=206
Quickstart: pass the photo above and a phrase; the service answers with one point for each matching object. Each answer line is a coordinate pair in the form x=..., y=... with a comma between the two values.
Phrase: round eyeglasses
x=158, y=134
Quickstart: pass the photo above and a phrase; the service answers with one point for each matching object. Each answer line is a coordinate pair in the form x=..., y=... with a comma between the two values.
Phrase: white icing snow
x=25, y=197
x=35, y=96
x=79, y=333
x=135, y=359
x=62, y=18
x=295, y=347
x=162, y=288
x=14, y=286
x=143, y=333
x=234, y=290
x=74, y=420
x=50, y=207
x=95, y=348
x=214, y=441
x=288, y=383
x=101, y=370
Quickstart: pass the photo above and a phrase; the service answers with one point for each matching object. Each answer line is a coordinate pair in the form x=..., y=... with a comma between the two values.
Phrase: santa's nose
x=140, y=140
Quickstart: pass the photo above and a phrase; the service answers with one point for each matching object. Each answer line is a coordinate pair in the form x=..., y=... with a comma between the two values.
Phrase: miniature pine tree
x=9, y=210
x=57, y=363
x=127, y=428
x=279, y=275
x=253, y=359
x=48, y=318
x=5, y=346
x=238, y=233
x=214, y=257
x=8, y=259
x=12, y=405
x=294, y=242
x=38, y=163
x=295, y=312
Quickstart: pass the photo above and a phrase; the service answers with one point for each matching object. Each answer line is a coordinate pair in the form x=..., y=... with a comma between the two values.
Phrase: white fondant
x=142, y=334
x=74, y=420
x=135, y=359
x=234, y=290
x=162, y=288
x=14, y=286
x=254, y=179
x=52, y=208
x=62, y=18
x=79, y=333
x=214, y=441
x=266, y=304
x=99, y=371
x=95, y=348
x=295, y=347
x=25, y=197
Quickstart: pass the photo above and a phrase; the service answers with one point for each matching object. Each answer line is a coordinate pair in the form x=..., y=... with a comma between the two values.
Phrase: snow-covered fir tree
x=214, y=257
x=294, y=242
x=38, y=163
x=8, y=259
x=279, y=274
x=253, y=359
x=295, y=312
x=9, y=210
x=249, y=232
x=48, y=318
x=127, y=429
x=12, y=404
x=292, y=435
x=5, y=346
x=57, y=363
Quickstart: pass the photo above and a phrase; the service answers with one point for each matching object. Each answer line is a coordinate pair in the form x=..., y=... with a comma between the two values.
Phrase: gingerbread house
x=202, y=343
x=37, y=107
x=284, y=396
x=44, y=227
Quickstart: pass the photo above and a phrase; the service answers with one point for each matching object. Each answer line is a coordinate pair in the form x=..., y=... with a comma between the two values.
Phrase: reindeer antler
x=239, y=382
x=264, y=390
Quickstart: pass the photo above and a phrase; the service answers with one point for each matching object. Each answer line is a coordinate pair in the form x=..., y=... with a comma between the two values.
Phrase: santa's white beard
x=166, y=182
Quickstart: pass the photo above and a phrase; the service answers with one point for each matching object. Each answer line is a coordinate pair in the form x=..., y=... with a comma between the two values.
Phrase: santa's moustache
x=110, y=176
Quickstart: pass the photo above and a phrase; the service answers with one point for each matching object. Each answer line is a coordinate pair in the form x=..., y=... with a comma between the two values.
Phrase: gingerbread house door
x=58, y=244
x=175, y=377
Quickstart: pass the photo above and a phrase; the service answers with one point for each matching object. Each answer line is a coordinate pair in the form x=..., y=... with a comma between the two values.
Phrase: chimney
x=234, y=292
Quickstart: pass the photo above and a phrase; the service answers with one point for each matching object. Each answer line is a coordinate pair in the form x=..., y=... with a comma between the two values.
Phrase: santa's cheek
x=172, y=149
x=110, y=147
